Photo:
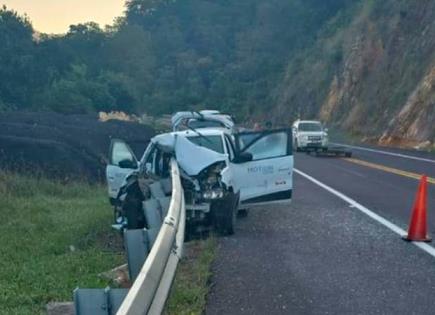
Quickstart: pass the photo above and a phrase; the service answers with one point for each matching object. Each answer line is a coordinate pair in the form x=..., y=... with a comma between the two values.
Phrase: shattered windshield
x=310, y=127
x=210, y=142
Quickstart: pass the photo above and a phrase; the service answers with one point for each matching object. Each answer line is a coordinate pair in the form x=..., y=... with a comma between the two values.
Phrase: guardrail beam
x=153, y=256
x=150, y=291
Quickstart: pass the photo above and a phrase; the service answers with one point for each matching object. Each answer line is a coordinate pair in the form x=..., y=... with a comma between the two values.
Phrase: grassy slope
x=188, y=296
x=44, y=219
x=53, y=238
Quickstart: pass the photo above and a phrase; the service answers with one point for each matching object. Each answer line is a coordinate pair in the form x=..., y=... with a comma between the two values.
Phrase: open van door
x=264, y=170
x=122, y=162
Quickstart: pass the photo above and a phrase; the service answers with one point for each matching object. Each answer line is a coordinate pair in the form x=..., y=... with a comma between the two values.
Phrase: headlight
x=210, y=182
x=213, y=194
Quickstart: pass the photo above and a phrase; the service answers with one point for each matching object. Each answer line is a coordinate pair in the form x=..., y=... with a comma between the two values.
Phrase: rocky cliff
x=372, y=74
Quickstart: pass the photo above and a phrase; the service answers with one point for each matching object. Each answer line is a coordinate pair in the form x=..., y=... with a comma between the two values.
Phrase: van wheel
x=242, y=213
x=133, y=212
x=132, y=207
x=225, y=215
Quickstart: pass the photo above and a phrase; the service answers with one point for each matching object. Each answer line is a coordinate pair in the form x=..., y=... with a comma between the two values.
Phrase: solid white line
x=427, y=248
x=386, y=153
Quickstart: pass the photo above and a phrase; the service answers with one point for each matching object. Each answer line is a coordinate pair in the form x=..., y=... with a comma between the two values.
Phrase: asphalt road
x=321, y=255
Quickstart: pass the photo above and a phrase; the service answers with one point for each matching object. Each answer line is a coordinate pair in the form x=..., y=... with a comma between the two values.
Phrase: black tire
x=225, y=215
x=132, y=208
x=348, y=154
x=242, y=213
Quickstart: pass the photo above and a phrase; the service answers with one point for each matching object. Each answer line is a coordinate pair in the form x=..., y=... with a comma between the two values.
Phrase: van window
x=269, y=146
x=310, y=127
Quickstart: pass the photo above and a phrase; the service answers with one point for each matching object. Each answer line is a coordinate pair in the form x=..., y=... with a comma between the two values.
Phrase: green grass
x=54, y=237
x=189, y=293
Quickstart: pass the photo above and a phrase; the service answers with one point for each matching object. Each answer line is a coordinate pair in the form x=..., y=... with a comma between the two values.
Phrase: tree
x=161, y=56
x=16, y=58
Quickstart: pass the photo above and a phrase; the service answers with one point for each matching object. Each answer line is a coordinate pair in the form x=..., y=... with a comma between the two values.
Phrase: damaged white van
x=222, y=172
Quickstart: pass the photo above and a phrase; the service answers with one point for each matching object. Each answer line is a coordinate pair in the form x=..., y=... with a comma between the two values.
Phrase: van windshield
x=310, y=127
x=197, y=124
x=210, y=142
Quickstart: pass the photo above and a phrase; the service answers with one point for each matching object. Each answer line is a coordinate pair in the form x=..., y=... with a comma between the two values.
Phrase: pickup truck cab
x=309, y=135
x=222, y=171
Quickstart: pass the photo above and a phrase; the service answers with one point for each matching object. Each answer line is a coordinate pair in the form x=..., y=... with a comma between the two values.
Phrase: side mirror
x=127, y=164
x=243, y=157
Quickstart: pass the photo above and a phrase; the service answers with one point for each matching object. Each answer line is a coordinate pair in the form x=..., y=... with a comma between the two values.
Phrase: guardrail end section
x=98, y=301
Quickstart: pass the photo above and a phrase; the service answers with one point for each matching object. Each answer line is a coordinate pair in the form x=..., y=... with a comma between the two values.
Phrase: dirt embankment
x=64, y=146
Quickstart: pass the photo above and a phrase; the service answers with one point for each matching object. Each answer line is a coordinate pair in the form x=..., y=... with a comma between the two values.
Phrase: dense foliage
x=161, y=56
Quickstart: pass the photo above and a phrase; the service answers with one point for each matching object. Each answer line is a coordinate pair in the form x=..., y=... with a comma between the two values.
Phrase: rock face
x=377, y=75
x=416, y=119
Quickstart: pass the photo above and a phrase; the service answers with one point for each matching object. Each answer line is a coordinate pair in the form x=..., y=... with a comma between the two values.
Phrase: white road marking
x=427, y=248
x=405, y=156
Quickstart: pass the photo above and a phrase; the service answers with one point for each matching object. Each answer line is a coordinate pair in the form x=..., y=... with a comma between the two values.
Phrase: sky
x=55, y=16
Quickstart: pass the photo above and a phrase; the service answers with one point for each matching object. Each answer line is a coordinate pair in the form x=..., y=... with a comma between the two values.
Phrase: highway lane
x=411, y=153
x=318, y=256
x=403, y=160
x=321, y=255
x=388, y=194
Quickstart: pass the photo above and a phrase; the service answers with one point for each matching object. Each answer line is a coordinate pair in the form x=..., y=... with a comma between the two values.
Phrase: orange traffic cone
x=418, y=226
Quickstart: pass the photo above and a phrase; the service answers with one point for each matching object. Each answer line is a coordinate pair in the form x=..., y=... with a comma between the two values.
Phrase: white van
x=221, y=171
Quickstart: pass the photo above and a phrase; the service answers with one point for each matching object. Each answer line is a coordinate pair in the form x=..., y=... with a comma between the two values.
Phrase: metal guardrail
x=151, y=289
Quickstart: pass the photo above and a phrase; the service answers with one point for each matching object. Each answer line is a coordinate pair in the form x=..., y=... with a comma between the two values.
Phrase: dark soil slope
x=64, y=146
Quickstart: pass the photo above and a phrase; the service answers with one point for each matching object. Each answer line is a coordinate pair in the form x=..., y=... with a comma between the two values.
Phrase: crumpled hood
x=190, y=157
x=165, y=142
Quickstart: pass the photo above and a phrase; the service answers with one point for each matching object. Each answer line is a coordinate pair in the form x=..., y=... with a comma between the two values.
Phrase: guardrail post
x=153, y=256
x=137, y=247
x=98, y=301
x=150, y=291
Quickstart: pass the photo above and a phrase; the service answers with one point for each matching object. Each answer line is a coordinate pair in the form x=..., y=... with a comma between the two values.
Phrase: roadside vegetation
x=159, y=57
x=191, y=286
x=364, y=66
x=54, y=237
